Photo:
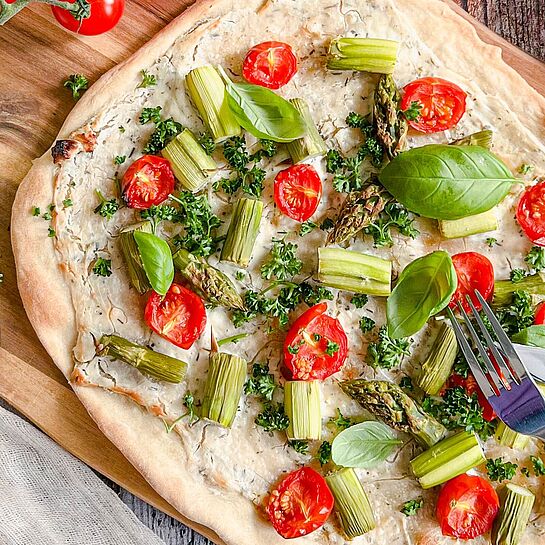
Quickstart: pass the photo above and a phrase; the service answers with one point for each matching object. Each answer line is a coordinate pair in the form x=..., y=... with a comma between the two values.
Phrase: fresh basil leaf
x=263, y=113
x=531, y=336
x=364, y=445
x=447, y=182
x=156, y=259
x=424, y=288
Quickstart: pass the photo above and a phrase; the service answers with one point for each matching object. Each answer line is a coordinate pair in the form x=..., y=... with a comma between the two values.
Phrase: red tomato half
x=297, y=191
x=467, y=507
x=300, y=504
x=316, y=345
x=442, y=104
x=269, y=64
x=179, y=317
x=474, y=272
x=148, y=181
x=531, y=213
x=540, y=314
x=105, y=14
x=470, y=386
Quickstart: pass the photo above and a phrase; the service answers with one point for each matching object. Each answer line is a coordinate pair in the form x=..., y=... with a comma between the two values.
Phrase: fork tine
x=498, y=356
x=482, y=380
x=514, y=362
x=494, y=375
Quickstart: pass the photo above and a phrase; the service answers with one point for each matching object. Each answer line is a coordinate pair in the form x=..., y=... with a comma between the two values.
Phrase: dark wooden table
x=522, y=22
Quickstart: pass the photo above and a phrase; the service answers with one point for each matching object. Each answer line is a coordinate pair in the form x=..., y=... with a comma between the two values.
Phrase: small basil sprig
x=424, y=288
x=263, y=113
x=364, y=445
x=447, y=182
x=156, y=259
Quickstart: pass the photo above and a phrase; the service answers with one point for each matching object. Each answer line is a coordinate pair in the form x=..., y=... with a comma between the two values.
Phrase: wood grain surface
x=37, y=56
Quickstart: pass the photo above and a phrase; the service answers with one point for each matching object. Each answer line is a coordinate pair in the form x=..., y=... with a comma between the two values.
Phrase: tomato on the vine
x=441, y=104
x=300, y=504
x=316, y=345
x=531, y=213
x=104, y=15
x=474, y=272
x=467, y=507
x=269, y=64
x=148, y=181
x=179, y=316
x=297, y=191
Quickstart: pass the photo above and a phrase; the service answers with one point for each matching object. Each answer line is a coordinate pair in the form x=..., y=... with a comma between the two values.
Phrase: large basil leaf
x=364, y=445
x=156, y=259
x=531, y=336
x=263, y=113
x=424, y=288
x=447, y=182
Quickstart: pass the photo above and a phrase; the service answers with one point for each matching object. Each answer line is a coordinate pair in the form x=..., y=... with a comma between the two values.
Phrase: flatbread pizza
x=240, y=251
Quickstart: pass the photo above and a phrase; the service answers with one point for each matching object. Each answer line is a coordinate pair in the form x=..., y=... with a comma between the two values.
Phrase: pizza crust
x=136, y=433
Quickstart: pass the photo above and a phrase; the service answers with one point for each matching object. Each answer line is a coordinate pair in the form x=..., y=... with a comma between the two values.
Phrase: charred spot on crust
x=64, y=149
x=87, y=138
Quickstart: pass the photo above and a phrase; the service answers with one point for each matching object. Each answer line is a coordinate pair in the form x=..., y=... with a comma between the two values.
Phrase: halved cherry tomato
x=105, y=14
x=300, y=504
x=316, y=345
x=297, y=191
x=269, y=64
x=442, y=103
x=540, y=314
x=531, y=213
x=470, y=386
x=148, y=181
x=474, y=272
x=466, y=507
x=179, y=316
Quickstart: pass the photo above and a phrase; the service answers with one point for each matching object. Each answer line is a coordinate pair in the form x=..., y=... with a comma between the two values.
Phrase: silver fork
x=503, y=379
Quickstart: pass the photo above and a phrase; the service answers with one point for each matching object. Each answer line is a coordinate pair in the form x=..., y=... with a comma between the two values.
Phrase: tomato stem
x=80, y=9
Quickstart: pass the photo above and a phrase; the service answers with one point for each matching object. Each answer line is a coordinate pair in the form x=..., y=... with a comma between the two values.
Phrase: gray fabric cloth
x=48, y=497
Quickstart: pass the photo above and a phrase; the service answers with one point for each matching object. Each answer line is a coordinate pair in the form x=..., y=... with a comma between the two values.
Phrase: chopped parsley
x=150, y=115
x=273, y=417
x=51, y=232
x=148, y=80
x=189, y=404
x=500, y=471
x=165, y=129
x=411, y=507
x=359, y=300
x=518, y=315
x=517, y=275
x=327, y=224
x=67, y=203
x=366, y=324
x=491, y=241
x=386, y=352
x=313, y=294
x=332, y=348
x=371, y=147
x=207, y=143
x=306, y=227
x=162, y=212
x=240, y=275
x=393, y=215
x=461, y=367
x=102, y=267
x=525, y=168
x=406, y=383
x=119, y=159
x=536, y=258
x=299, y=445
x=77, y=83
x=412, y=113
x=121, y=129
x=283, y=263
x=340, y=421
x=457, y=409
x=36, y=211
x=261, y=383
x=538, y=466
x=324, y=453
x=107, y=207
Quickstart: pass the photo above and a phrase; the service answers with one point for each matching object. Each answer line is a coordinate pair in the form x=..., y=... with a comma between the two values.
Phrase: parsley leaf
x=536, y=258
x=119, y=159
x=306, y=227
x=393, y=215
x=327, y=224
x=106, y=208
x=491, y=241
x=283, y=263
x=313, y=294
x=412, y=113
x=340, y=421
x=299, y=445
x=189, y=404
x=67, y=203
x=273, y=417
x=366, y=324
x=500, y=471
x=76, y=83
x=51, y=232
x=517, y=275
x=162, y=212
x=332, y=348
x=150, y=115
x=406, y=383
x=359, y=300
x=102, y=267
x=412, y=506
x=538, y=465
x=461, y=367
x=324, y=453
x=164, y=132
x=36, y=211
x=518, y=315
x=207, y=143
x=148, y=80
x=386, y=352
x=525, y=168
x=261, y=383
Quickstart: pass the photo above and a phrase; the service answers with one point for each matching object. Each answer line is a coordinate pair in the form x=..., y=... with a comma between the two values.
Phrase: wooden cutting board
x=37, y=56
